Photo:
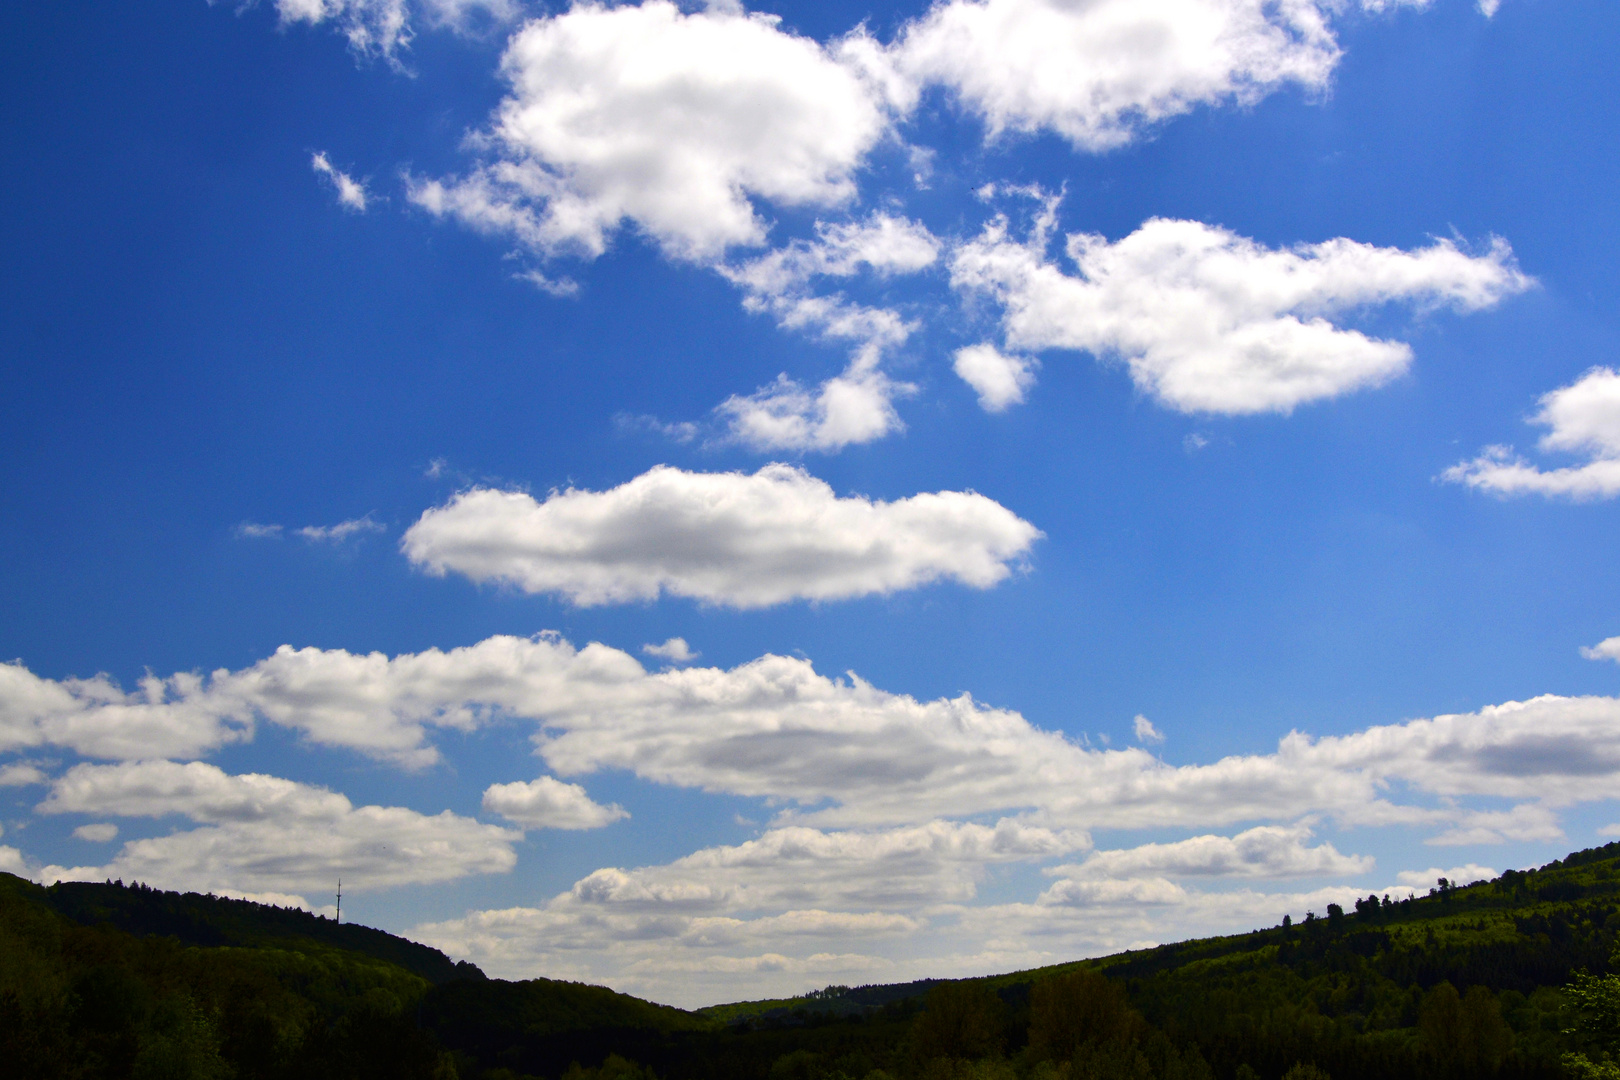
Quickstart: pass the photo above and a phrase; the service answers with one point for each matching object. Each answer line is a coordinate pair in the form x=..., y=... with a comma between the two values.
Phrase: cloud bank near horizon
x=891, y=813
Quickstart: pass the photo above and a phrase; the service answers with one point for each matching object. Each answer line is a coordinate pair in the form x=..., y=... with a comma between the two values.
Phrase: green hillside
x=1508, y=979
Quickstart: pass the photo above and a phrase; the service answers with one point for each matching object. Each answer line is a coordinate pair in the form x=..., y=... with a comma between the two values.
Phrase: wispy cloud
x=343, y=530
x=351, y=193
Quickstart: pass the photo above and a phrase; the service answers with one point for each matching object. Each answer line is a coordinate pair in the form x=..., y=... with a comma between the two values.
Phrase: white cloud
x=1000, y=380
x=1607, y=649
x=21, y=774
x=1457, y=875
x=671, y=957
x=1582, y=418
x=265, y=833
x=343, y=530
x=669, y=120
x=1266, y=851
x=858, y=405
x=382, y=28
x=1489, y=8
x=1208, y=321
x=98, y=833
x=1145, y=732
x=843, y=753
x=801, y=867
x=723, y=538
x=1097, y=73
x=1527, y=821
x=882, y=244
x=275, y=899
x=561, y=288
x=854, y=407
x=827, y=899
x=13, y=861
x=672, y=951
x=675, y=650
x=373, y=27
x=328, y=696
x=351, y=193
x=548, y=803
x=315, y=534
x=95, y=717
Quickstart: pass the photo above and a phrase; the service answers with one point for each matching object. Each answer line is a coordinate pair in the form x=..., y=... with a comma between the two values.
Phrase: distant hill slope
x=124, y=981
x=115, y=981
x=1520, y=931
x=210, y=920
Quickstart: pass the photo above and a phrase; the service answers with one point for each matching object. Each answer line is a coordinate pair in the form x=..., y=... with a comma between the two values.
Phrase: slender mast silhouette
x=340, y=900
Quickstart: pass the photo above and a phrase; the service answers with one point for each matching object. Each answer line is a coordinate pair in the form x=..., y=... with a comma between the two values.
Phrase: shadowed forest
x=1513, y=978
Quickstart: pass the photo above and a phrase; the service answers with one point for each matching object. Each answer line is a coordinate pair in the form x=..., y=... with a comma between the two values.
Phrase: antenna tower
x=340, y=900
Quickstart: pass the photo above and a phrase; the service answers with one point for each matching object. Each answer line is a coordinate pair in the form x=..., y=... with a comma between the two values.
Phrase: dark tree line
x=1505, y=980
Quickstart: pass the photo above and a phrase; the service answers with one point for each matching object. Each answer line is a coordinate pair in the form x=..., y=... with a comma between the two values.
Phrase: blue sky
x=1245, y=369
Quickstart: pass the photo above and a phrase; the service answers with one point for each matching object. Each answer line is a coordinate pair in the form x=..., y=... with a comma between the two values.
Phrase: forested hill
x=1507, y=979
x=215, y=920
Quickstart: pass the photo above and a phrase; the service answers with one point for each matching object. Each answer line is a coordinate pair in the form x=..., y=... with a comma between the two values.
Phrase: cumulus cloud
x=1000, y=380
x=846, y=753
x=548, y=803
x=97, y=718
x=326, y=696
x=99, y=833
x=1582, y=418
x=669, y=120
x=724, y=538
x=843, y=753
x=351, y=193
x=676, y=121
x=1267, y=851
x=1607, y=649
x=858, y=405
x=1097, y=73
x=21, y=774
x=801, y=867
x=13, y=861
x=792, y=903
x=265, y=833
x=1209, y=321
x=854, y=407
x=881, y=244
x=676, y=954
x=677, y=958
x=675, y=650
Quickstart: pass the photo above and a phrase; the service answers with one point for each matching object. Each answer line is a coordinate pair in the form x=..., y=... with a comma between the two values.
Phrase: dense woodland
x=1514, y=978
